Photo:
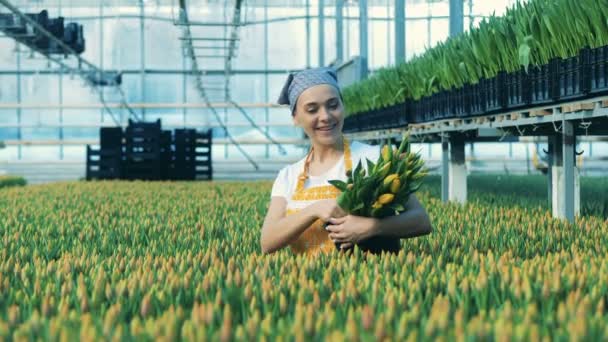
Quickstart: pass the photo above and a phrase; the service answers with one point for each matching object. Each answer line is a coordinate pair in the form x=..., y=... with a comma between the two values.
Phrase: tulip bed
x=147, y=261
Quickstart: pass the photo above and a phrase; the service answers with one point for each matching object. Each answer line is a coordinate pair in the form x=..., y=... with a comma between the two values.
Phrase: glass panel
x=9, y=133
x=8, y=89
x=81, y=133
x=39, y=153
x=378, y=48
x=289, y=39
x=9, y=153
x=416, y=32
x=40, y=133
x=8, y=116
x=82, y=116
x=39, y=89
x=7, y=54
x=440, y=30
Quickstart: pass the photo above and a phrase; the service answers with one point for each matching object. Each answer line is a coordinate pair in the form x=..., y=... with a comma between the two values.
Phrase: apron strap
x=348, y=164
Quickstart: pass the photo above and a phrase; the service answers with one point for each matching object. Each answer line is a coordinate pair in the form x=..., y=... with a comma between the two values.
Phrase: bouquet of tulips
x=386, y=186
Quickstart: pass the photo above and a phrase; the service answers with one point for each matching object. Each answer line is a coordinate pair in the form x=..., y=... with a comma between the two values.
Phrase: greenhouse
x=303, y=170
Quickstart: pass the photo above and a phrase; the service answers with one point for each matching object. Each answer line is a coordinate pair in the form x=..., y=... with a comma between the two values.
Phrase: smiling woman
x=303, y=202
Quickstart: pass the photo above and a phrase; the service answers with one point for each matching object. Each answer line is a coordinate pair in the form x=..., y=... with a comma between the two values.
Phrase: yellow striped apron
x=315, y=239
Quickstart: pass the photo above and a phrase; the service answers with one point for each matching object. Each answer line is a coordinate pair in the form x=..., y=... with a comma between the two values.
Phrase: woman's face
x=319, y=111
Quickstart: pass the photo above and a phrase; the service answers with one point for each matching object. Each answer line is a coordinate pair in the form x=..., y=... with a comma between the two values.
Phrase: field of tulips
x=136, y=260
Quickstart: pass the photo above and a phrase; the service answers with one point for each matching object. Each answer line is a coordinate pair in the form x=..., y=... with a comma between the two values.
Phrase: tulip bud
x=386, y=198
x=385, y=170
x=389, y=179
x=385, y=153
x=146, y=305
x=395, y=185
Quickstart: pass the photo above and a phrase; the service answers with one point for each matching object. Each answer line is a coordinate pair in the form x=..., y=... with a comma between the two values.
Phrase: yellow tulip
x=385, y=153
x=389, y=179
x=386, y=198
x=384, y=170
x=395, y=185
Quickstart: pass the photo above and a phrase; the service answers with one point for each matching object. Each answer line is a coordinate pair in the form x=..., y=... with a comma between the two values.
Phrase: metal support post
x=457, y=171
x=556, y=174
x=568, y=185
x=19, y=110
x=142, y=57
x=456, y=17
x=363, y=49
x=399, y=31
x=550, y=146
x=339, y=31
x=307, y=34
x=445, y=160
x=321, y=33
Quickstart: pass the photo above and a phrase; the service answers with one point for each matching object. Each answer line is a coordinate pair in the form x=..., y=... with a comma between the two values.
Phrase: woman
x=303, y=212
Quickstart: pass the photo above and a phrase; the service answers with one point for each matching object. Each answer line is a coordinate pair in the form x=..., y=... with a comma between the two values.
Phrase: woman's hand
x=326, y=209
x=350, y=229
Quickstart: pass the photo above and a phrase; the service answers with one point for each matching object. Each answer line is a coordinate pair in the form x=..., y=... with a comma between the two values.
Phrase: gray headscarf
x=300, y=81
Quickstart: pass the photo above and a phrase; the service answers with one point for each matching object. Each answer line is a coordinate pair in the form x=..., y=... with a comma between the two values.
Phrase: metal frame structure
x=84, y=69
x=453, y=148
x=142, y=17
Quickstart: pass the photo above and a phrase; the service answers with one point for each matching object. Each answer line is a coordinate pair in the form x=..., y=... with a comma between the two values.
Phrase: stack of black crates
x=107, y=162
x=188, y=160
x=142, y=150
x=146, y=152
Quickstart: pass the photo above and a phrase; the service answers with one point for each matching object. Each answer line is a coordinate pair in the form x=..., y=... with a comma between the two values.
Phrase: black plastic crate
x=412, y=113
x=425, y=107
x=540, y=78
x=389, y=117
x=495, y=95
x=204, y=137
x=103, y=164
x=443, y=105
x=140, y=126
x=598, y=70
x=425, y=110
x=476, y=99
x=144, y=170
x=458, y=106
x=185, y=136
x=571, y=77
x=166, y=153
x=432, y=107
x=585, y=61
x=183, y=171
x=350, y=124
x=383, y=118
x=110, y=137
x=517, y=87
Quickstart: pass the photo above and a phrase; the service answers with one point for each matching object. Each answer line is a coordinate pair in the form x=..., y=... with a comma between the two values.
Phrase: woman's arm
x=414, y=221
x=279, y=230
x=353, y=229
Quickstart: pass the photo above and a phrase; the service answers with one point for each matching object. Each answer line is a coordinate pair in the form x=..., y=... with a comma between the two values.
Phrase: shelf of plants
x=534, y=55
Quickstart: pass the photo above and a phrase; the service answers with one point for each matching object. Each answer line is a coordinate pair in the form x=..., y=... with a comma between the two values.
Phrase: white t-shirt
x=287, y=179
